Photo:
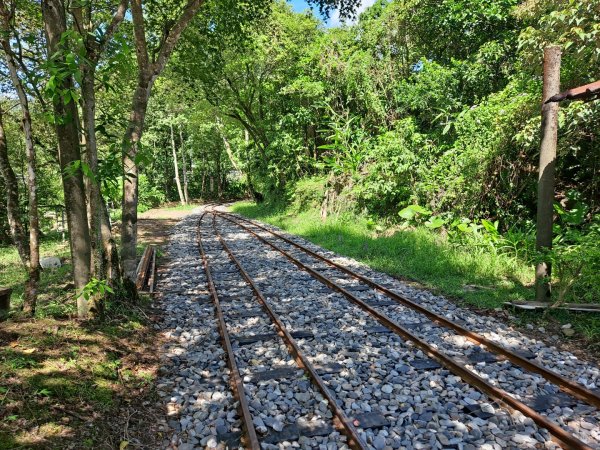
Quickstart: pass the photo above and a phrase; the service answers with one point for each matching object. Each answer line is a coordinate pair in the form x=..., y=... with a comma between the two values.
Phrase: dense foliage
x=419, y=112
x=434, y=104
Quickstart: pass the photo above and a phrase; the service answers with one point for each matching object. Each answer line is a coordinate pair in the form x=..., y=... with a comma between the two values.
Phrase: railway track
x=413, y=332
x=236, y=306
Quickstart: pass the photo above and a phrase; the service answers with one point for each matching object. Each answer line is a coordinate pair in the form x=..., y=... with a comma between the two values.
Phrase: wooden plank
x=545, y=305
x=276, y=374
x=371, y=420
x=143, y=266
x=152, y=281
x=585, y=92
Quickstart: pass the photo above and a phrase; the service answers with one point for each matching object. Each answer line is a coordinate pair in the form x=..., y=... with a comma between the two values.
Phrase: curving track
x=321, y=355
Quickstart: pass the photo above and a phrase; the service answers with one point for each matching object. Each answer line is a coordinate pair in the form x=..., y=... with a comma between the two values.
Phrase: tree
x=547, y=168
x=33, y=262
x=62, y=66
x=182, y=197
x=96, y=28
x=150, y=66
x=11, y=188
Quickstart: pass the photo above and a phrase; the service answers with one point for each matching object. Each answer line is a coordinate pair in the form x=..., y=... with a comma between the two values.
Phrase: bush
x=485, y=173
x=151, y=196
x=393, y=168
x=308, y=193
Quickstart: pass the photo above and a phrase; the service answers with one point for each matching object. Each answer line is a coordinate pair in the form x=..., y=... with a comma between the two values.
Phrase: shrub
x=151, y=196
x=393, y=168
x=308, y=193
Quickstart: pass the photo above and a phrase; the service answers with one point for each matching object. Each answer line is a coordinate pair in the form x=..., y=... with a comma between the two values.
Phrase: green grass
x=417, y=254
x=180, y=207
x=13, y=275
x=48, y=366
x=475, y=275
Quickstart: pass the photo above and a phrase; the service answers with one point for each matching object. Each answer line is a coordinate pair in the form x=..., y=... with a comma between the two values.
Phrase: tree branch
x=173, y=35
x=112, y=27
x=139, y=31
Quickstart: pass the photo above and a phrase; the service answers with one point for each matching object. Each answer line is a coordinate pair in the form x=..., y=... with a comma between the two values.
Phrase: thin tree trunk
x=69, y=153
x=34, y=223
x=230, y=153
x=147, y=72
x=110, y=250
x=251, y=190
x=105, y=259
x=545, y=206
x=184, y=167
x=219, y=178
x=176, y=166
x=11, y=185
x=88, y=96
x=132, y=138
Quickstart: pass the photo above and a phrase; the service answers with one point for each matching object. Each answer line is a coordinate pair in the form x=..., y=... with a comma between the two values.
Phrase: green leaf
x=435, y=223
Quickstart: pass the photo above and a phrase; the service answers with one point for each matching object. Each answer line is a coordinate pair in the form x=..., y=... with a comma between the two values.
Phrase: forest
x=132, y=108
x=406, y=136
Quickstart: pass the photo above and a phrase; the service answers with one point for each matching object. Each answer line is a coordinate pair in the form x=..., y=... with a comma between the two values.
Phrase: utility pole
x=545, y=199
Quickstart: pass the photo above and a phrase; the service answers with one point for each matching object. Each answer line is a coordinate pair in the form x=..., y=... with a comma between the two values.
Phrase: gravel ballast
x=421, y=405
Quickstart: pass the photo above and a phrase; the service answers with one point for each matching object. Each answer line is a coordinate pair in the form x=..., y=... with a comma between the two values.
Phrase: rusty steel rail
x=562, y=437
x=567, y=386
x=342, y=421
x=586, y=92
x=235, y=378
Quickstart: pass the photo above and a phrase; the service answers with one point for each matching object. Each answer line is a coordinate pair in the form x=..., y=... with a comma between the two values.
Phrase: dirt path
x=154, y=224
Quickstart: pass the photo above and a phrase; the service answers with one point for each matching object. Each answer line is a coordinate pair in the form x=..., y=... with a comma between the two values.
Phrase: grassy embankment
x=477, y=276
x=64, y=381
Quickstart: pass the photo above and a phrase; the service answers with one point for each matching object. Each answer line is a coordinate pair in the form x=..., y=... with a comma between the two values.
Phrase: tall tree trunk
x=11, y=185
x=111, y=252
x=219, y=176
x=147, y=72
x=230, y=153
x=34, y=223
x=167, y=169
x=176, y=167
x=132, y=138
x=88, y=97
x=54, y=17
x=105, y=258
x=545, y=206
x=184, y=167
x=251, y=191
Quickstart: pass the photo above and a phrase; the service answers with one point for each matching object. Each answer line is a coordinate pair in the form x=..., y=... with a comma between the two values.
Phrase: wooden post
x=545, y=201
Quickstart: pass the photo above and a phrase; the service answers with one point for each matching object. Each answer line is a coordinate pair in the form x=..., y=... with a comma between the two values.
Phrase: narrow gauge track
x=251, y=440
x=575, y=389
x=561, y=436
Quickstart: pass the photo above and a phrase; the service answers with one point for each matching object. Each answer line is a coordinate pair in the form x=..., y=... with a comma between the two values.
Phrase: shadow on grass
x=64, y=382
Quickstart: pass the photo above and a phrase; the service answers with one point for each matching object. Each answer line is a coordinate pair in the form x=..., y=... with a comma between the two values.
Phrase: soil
x=69, y=384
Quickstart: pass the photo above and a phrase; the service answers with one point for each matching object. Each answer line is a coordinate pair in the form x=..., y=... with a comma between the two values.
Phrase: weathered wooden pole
x=545, y=200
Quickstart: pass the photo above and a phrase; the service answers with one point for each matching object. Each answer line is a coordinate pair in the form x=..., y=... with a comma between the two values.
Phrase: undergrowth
x=475, y=275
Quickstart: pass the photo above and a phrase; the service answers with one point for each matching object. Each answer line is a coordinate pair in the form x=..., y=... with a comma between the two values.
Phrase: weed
x=420, y=254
